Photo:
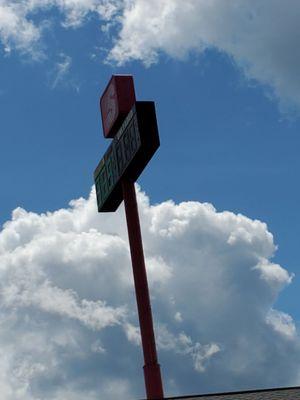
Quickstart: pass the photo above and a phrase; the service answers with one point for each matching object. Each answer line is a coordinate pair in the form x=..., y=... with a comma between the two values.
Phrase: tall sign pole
x=152, y=374
x=133, y=127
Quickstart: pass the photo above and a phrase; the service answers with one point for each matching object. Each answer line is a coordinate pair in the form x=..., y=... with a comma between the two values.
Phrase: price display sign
x=133, y=146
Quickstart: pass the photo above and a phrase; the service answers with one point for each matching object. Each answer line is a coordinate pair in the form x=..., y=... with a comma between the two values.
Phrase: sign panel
x=116, y=102
x=130, y=151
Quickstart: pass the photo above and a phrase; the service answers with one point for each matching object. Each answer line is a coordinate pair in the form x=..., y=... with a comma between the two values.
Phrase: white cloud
x=15, y=29
x=183, y=344
x=261, y=37
x=282, y=323
x=274, y=274
x=68, y=314
x=62, y=68
x=21, y=31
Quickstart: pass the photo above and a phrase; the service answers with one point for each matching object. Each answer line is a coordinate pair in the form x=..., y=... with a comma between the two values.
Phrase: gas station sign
x=133, y=127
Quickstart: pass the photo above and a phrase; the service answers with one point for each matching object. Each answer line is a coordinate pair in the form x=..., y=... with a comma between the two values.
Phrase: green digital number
x=102, y=185
x=111, y=172
x=127, y=147
x=120, y=157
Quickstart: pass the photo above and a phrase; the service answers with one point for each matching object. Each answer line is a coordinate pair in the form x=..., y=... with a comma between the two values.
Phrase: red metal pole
x=152, y=375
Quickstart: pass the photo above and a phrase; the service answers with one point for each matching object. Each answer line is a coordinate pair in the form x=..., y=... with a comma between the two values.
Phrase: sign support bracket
x=152, y=375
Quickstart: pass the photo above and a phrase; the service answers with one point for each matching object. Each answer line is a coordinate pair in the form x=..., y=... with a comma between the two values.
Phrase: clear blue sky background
x=230, y=133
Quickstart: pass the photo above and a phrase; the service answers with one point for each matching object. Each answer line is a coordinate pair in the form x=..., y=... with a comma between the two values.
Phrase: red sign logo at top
x=116, y=102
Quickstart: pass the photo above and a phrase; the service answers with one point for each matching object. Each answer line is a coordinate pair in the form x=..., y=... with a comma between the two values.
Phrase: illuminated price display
x=130, y=151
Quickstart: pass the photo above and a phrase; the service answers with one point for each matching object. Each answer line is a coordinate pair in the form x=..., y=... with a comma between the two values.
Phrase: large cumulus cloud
x=68, y=317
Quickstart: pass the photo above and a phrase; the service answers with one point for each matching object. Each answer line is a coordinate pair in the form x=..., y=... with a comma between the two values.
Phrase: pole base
x=153, y=382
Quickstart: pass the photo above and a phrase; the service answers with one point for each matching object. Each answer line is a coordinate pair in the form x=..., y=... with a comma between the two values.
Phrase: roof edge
x=233, y=393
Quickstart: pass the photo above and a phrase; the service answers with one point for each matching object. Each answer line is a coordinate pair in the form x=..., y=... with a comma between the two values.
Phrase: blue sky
x=227, y=97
